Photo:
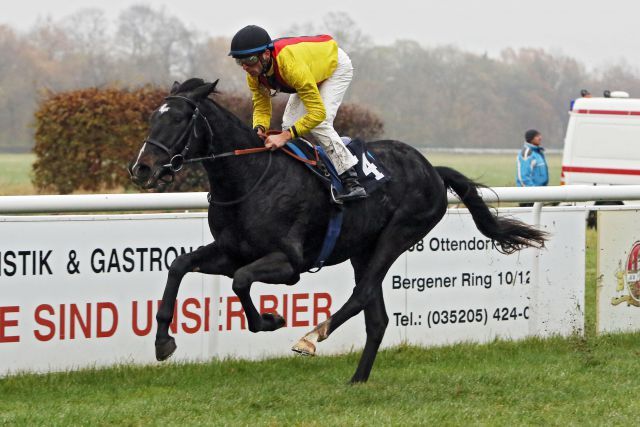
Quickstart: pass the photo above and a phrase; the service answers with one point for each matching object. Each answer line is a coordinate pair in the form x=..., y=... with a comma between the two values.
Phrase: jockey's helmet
x=249, y=41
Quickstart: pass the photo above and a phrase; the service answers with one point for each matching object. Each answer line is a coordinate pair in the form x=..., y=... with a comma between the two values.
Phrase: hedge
x=85, y=138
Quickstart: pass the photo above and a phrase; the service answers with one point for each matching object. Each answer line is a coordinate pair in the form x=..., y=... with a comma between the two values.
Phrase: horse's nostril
x=141, y=171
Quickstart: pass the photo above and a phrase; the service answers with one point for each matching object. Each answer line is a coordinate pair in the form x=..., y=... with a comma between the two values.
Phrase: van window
x=600, y=139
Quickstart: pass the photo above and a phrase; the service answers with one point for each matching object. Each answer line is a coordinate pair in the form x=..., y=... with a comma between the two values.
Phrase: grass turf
x=551, y=382
x=489, y=169
x=494, y=170
x=15, y=172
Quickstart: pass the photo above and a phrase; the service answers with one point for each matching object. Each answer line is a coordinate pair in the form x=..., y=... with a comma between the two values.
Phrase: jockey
x=317, y=73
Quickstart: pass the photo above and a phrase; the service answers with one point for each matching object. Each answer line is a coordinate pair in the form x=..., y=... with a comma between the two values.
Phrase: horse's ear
x=174, y=88
x=205, y=90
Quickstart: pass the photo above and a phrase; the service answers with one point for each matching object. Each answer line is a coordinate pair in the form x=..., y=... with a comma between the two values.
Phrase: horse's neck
x=229, y=132
x=232, y=174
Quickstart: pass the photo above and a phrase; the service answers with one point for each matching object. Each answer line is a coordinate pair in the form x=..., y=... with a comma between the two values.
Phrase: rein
x=177, y=161
x=292, y=154
x=227, y=154
x=254, y=151
x=247, y=194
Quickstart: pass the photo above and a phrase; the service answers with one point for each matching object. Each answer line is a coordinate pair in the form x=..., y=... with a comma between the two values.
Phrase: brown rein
x=290, y=153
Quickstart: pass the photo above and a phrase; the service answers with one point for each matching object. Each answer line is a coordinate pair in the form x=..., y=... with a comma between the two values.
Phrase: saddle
x=371, y=173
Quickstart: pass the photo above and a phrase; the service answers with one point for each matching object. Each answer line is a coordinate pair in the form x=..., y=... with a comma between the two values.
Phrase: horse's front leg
x=207, y=259
x=273, y=268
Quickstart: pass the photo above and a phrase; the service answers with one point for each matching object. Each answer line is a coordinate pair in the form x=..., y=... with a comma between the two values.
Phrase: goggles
x=250, y=60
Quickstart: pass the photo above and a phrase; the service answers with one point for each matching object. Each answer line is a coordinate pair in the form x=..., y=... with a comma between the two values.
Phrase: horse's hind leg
x=307, y=344
x=207, y=259
x=366, y=295
x=398, y=236
x=376, y=321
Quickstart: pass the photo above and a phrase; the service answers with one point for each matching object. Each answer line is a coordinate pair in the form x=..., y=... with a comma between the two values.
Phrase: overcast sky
x=596, y=32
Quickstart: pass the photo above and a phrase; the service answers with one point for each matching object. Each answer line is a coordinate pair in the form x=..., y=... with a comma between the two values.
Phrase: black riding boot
x=352, y=189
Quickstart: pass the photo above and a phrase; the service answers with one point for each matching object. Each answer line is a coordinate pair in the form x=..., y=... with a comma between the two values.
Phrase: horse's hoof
x=165, y=348
x=305, y=348
x=357, y=380
x=272, y=321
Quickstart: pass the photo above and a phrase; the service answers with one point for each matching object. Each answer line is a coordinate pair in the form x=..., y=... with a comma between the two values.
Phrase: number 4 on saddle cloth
x=371, y=175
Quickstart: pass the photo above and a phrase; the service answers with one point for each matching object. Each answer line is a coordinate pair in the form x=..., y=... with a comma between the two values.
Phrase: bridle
x=178, y=160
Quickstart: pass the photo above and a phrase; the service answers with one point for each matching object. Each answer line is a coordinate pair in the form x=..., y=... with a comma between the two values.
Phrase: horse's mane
x=194, y=83
x=191, y=84
x=228, y=114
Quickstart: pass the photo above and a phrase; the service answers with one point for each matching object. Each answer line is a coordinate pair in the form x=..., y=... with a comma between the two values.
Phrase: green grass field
x=14, y=174
x=552, y=382
x=496, y=170
x=574, y=381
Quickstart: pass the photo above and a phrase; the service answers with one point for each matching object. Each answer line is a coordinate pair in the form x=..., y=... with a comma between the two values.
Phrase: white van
x=602, y=145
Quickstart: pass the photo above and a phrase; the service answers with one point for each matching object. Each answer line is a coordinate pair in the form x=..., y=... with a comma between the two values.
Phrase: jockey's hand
x=262, y=134
x=277, y=141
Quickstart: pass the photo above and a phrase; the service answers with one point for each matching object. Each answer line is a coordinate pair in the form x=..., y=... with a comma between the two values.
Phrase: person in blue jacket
x=532, y=168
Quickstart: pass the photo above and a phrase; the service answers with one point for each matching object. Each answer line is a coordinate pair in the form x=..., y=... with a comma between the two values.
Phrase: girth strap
x=330, y=237
x=337, y=213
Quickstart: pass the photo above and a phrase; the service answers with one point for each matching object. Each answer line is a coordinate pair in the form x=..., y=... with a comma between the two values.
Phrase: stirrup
x=333, y=196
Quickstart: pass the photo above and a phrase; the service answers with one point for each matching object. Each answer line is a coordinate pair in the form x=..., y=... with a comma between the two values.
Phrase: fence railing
x=198, y=200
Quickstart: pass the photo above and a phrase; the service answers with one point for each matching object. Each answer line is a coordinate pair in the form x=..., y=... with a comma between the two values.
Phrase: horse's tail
x=511, y=234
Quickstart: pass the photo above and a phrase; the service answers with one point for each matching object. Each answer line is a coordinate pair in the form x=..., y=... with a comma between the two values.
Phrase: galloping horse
x=268, y=216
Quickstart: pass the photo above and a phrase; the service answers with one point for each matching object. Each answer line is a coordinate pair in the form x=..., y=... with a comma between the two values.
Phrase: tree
x=427, y=96
x=211, y=61
x=159, y=45
x=16, y=93
x=87, y=29
x=340, y=26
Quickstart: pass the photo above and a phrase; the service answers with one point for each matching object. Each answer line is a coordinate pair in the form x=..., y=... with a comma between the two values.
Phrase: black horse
x=268, y=215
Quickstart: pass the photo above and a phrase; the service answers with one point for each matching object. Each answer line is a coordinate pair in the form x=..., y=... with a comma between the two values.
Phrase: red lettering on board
x=144, y=331
x=285, y=309
x=8, y=323
x=296, y=308
x=321, y=308
x=299, y=309
x=76, y=317
x=101, y=307
x=235, y=312
x=268, y=304
x=207, y=314
x=63, y=324
x=191, y=315
x=40, y=336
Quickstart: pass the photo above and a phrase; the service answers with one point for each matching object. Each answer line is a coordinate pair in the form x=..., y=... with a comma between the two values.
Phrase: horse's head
x=178, y=128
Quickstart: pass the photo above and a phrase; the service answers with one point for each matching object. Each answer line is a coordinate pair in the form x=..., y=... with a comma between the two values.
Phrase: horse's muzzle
x=144, y=177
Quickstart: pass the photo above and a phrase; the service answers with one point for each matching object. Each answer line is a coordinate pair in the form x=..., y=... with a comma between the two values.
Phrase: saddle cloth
x=371, y=173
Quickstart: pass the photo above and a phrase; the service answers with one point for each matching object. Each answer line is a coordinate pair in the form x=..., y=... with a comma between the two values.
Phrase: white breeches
x=332, y=91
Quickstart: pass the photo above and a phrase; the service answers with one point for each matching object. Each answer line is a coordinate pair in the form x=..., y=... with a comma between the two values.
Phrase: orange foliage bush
x=85, y=138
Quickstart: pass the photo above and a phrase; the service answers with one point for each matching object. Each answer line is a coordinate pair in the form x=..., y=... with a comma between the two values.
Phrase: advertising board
x=618, y=272
x=82, y=290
